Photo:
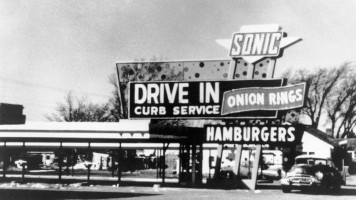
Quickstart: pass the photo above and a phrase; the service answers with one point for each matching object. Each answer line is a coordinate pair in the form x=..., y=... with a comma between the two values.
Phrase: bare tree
x=77, y=110
x=321, y=85
x=349, y=119
x=114, y=111
x=341, y=106
x=331, y=92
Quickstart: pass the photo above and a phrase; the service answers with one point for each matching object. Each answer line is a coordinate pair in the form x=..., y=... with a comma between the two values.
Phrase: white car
x=83, y=165
x=19, y=163
x=272, y=168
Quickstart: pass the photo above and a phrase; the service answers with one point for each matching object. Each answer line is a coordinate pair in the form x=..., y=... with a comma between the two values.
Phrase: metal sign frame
x=240, y=67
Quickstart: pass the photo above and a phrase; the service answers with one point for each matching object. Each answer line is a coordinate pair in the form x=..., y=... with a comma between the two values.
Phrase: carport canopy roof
x=123, y=131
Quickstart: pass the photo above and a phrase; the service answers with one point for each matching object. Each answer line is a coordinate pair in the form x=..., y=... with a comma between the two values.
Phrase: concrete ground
x=48, y=188
x=351, y=180
x=156, y=193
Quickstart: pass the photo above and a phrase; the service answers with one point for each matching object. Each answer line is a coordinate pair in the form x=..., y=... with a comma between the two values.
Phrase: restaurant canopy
x=131, y=133
x=125, y=130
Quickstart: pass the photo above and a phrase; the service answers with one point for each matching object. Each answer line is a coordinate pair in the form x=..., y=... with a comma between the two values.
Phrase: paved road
x=108, y=192
x=26, y=191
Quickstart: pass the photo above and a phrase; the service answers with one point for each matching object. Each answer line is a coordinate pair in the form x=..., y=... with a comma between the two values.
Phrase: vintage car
x=312, y=177
x=272, y=167
x=314, y=160
x=19, y=163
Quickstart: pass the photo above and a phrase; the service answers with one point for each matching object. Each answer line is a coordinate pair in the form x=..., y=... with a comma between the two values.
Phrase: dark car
x=313, y=178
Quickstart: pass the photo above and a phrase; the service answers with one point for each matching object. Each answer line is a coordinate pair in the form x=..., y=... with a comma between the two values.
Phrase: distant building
x=350, y=145
x=11, y=114
x=318, y=143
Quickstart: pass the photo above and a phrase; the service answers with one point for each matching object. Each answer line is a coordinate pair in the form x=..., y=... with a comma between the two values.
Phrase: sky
x=48, y=48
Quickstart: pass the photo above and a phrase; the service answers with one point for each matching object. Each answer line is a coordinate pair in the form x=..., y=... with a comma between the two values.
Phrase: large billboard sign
x=253, y=134
x=213, y=99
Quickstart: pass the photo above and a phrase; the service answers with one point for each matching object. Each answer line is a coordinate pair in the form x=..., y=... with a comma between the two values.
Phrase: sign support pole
x=163, y=164
x=119, y=164
x=4, y=168
x=238, y=148
x=251, y=183
x=236, y=168
x=194, y=152
x=218, y=162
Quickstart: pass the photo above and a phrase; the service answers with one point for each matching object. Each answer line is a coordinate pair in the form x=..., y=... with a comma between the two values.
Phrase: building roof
x=76, y=131
x=321, y=135
x=351, y=142
x=73, y=133
x=123, y=125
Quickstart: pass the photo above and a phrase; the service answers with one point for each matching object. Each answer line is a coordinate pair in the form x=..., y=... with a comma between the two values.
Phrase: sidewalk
x=351, y=180
x=73, y=182
x=94, y=180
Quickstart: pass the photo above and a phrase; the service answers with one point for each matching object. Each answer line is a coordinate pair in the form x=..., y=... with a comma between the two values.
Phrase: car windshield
x=272, y=159
x=300, y=170
x=311, y=161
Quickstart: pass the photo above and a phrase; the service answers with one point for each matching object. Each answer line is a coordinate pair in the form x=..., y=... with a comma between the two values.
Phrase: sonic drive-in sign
x=213, y=99
x=256, y=44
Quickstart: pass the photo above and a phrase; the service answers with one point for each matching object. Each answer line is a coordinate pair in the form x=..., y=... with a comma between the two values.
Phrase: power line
x=36, y=85
x=17, y=99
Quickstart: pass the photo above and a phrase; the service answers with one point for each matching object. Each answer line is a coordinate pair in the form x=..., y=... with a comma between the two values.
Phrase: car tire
x=286, y=189
x=315, y=189
x=336, y=188
x=279, y=172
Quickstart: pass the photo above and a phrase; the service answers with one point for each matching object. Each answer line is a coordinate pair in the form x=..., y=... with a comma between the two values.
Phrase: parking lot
x=134, y=192
x=77, y=189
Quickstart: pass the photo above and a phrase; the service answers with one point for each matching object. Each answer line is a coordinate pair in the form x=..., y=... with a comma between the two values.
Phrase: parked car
x=314, y=160
x=30, y=161
x=272, y=164
x=312, y=177
x=84, y=165
x=20, y=162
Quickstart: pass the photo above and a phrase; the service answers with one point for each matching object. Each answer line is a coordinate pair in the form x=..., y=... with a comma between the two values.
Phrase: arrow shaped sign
x=256, y=42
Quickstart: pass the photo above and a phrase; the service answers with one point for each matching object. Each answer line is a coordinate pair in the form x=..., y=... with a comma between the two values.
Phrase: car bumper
x=269, y=175
x=300, y=184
